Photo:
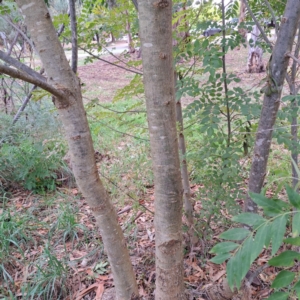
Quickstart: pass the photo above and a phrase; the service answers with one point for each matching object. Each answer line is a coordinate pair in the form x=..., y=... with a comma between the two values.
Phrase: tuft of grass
x=48, y=279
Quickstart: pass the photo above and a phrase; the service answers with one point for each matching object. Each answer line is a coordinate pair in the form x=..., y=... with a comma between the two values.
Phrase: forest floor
x=80, y=247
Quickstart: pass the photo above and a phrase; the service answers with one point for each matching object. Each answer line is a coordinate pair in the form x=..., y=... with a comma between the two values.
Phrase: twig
x=116, y=185
x=289, y=54
x=254, y=274
x=257, y=24
x=121, y=132
x=104, y=60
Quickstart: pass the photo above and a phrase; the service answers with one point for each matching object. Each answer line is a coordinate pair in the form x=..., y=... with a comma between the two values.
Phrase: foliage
x=263, y=232
x=13, y=235
x=27, y=156
x=67, y=224
x=49, y=280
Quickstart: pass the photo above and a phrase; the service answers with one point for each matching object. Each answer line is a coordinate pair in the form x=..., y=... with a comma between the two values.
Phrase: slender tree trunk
x=187, y=201
x=73, y=116
x=131, y=48
x=275, y=78
x=73, y=21
x=156, y=40
x=294, y=108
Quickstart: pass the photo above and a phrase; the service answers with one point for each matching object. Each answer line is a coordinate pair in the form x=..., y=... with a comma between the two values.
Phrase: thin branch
x=20, y=31
x=24, y=104
x=135, y=3
x=17, y=64
x=289, y=54
x=25, y=77
x=116, y=57
x=273, y=15
x=120, y=132
x=106, y=61
x=257, y=24
x=116, y=185
x=121, y=112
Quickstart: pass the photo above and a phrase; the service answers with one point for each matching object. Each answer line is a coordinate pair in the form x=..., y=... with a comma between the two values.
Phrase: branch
x=20, y=31
x=106, y=61
x=25, y=77
x=135, y=5
x=289, y=54
x=18, y=65
x=257, y=24
x=24, y=104
x=273, y=15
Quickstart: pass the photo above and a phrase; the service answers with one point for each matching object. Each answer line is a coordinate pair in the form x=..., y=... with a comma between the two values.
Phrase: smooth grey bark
x=156, y=42
x=276, y=73
x=17, y=64
x=73, y=21
x=25, y=77
x=73, y=116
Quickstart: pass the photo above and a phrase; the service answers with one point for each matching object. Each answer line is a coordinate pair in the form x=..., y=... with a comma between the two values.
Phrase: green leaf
x=220, y=258
x=292, y=241
x=296, y=287
x=250, y=219
x=293, y=196
x=265, y=202
x=283, y=279
x=288, y=98
x=233, y=272
x=278, y=231
x=296, y=224
x=238, y=266
x=224, y=247
x=284, y=259
x=260, y=240
x=279, y=296
x=235, y=234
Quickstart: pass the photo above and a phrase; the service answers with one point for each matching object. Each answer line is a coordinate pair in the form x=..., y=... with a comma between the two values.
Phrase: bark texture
x=73, y=116
x=156, y=41
x=276, y=73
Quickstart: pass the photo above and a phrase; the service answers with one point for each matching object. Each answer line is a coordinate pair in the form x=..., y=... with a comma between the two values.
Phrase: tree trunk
x=188, y=205
x=156, y=41
x=131, y=48
x=294, y=89
x=275, y=78
x=73, y=116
